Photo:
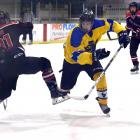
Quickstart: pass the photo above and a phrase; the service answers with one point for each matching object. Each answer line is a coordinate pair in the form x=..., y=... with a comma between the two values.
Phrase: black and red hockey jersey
x=10, y=33
x=133, y=22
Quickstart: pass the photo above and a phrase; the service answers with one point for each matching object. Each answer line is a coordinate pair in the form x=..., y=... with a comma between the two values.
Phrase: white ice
x=30, y=114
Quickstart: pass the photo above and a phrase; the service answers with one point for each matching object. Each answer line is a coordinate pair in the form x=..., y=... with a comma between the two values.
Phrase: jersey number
x=5, y=41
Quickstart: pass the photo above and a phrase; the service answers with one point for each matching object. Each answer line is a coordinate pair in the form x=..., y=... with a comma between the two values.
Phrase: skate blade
x=135, y=72
x=61, y=100
x=108, y=115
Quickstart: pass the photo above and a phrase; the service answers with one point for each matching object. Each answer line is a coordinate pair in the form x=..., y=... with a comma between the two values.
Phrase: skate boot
x=30, y=42
x=60, y=96
x=135, y=69
x=57, y=95
x=103, y=105
x=23, y=42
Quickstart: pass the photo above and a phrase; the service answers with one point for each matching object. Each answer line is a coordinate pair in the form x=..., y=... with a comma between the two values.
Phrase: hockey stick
x=109, y=36
x=5, y=104
x=99, y=78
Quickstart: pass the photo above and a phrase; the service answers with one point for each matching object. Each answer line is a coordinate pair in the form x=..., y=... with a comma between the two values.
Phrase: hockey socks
x=50, y=80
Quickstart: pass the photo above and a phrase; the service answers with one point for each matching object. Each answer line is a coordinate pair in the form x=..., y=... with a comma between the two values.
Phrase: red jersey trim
x=8, y=24
x=128, y=14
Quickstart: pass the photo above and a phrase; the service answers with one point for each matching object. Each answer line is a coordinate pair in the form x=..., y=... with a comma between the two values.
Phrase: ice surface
x=30, y=114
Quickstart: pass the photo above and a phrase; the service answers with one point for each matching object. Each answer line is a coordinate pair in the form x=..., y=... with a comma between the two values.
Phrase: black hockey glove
x=124, y=38
x=102, y=53
x=91, y=47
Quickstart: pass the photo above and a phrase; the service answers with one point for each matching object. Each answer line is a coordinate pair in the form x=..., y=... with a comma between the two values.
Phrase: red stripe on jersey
x=138, y=13
x=8, y=24
x=128, y=14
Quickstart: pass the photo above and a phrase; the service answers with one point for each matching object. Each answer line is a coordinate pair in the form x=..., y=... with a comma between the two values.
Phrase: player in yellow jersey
x=80, y=53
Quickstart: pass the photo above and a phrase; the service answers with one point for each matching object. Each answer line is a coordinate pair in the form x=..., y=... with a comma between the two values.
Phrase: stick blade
x=86, y=96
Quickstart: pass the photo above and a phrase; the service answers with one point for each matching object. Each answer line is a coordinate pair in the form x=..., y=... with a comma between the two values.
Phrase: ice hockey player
x=133, y=24
x=14, y=62
x=80, y=54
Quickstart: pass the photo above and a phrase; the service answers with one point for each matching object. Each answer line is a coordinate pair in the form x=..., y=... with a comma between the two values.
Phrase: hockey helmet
x=87, y=15
x=133, y=4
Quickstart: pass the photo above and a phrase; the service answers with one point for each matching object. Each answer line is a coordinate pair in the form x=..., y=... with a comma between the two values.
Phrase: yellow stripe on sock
x=102, y=101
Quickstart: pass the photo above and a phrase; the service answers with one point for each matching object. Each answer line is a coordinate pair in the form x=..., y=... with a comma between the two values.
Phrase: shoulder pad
x=76, y=36
x=98, y=23
x=128, y=14
x=138, y=13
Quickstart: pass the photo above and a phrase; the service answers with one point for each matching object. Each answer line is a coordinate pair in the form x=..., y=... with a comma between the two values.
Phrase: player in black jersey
x=133, y=24
x=14, y=62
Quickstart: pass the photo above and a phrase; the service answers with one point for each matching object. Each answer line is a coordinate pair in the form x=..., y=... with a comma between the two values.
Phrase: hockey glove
x=124, y=38
x=102, y=53
x=91, y=46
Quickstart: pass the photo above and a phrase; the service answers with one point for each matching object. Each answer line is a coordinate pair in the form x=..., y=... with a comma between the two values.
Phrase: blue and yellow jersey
x=78, y=40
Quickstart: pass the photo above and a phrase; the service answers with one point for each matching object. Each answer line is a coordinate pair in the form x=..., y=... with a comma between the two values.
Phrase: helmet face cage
x=87, y=15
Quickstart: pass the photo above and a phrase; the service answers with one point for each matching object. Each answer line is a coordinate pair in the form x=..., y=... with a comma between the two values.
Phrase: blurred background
x=66, y=11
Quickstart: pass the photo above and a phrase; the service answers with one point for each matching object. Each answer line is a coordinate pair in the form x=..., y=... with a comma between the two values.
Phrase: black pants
x=9, y=71
x=28, y=31
x=71, y=72
x=134, y=44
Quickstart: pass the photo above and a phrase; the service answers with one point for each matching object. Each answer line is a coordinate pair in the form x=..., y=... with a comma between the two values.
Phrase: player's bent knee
x=45, y=63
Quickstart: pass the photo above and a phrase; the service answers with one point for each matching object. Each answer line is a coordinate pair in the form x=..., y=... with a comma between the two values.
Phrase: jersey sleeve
x=115, y=26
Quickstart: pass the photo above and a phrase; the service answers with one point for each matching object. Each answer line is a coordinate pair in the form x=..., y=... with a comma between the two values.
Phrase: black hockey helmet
x=4, y=17
x=87, y=15
x=135, y=4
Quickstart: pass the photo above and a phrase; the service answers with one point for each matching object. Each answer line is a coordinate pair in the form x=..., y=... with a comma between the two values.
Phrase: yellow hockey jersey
x=77, y=43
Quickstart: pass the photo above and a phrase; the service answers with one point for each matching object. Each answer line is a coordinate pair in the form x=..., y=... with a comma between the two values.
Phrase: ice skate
x=23, y=42
x=58, y=100
x=103, y=105
x=135, y=69
x=30, y=42
x=58, y=95
x=61, y=97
